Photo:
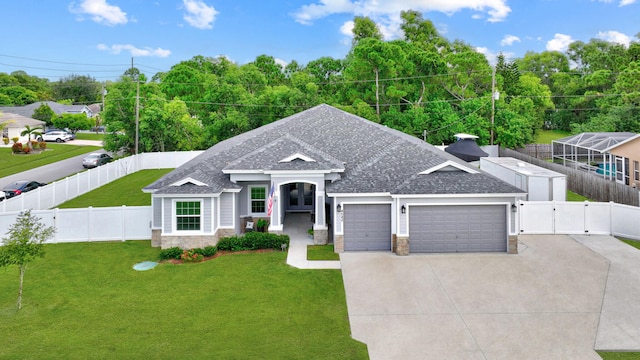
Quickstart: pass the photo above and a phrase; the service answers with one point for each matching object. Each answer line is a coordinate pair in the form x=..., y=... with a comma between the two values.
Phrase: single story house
x=16, y=124
x=366, y=187
x=58, y=109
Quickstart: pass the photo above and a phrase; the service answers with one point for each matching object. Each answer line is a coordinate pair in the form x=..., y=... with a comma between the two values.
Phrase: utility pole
x=495, y=95
x=137, y=106
x=493, y=100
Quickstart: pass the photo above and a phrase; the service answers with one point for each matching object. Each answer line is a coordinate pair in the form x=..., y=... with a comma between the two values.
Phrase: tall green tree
x=24, y=244
x=81, y=89
x=364, y=28
x=44, y=113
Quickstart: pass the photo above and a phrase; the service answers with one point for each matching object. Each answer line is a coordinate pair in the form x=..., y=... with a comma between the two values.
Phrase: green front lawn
x=84, y=300
x=14, y=163
x=125, y=191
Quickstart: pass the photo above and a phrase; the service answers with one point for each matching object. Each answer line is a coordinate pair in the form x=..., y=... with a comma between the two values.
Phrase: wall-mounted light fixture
x=514, y=208
x=339, y=208
x=403, y=209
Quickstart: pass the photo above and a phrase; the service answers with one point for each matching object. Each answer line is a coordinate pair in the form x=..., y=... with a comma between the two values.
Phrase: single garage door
x=367, y=227
x=468, y=228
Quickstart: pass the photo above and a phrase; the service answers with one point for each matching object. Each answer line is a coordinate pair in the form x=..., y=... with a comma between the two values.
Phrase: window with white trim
x=258, y=200
x=188, y=215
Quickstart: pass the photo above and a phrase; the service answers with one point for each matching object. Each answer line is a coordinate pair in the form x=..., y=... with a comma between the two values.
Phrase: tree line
x=422, y=84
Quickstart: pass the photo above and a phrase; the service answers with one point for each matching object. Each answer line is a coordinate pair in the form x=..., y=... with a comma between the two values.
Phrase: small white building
x=541, y=184
x=15, y=124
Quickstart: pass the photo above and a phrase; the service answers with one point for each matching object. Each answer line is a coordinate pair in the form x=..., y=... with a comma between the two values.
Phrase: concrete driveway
x=544, y=303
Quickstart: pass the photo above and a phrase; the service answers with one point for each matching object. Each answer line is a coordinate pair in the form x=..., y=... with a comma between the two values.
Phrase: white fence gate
x=566, y=217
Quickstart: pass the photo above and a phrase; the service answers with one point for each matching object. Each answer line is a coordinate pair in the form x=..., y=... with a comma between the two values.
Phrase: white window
x=258, y=199
x=188, y=215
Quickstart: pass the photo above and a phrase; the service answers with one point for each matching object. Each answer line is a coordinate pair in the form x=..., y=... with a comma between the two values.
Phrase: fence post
x=90, y=222
x=124, y=222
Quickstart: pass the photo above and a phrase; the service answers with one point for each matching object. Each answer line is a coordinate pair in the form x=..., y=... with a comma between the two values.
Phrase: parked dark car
x=96, y=159
x=19, y=187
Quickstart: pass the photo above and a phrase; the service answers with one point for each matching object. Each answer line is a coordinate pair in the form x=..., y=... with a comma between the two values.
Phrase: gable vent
x=449, y=166
x=297, y=156
x=188, y=181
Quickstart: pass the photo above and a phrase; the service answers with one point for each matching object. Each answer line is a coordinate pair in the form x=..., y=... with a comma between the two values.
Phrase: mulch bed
x=221, y=253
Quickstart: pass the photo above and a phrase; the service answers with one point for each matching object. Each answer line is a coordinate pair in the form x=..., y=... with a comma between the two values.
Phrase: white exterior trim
x=174, y=216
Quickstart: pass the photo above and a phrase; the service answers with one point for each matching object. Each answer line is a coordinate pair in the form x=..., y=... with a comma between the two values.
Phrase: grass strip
x=321, y=252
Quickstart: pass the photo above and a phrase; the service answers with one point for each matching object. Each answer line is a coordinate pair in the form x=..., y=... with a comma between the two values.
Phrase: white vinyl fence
x=91, y=224
x=58, y=192
x=565, y=217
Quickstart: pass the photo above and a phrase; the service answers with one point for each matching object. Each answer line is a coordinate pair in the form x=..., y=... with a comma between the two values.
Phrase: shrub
x=5, y=140
x=15, y=139
x=191, y=255
x=170, y=253
x=253, y=241
x=26, y=149
x=42, y=144
x=16, y=147
x=206, y=251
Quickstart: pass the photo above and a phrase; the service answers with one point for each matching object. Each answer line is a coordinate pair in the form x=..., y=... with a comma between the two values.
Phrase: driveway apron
x=543, y=303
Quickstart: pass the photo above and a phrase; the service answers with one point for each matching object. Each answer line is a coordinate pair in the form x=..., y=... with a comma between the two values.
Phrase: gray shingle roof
x=375, y=159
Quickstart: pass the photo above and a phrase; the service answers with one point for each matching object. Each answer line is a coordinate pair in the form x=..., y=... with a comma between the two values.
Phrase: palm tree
x=28, y=130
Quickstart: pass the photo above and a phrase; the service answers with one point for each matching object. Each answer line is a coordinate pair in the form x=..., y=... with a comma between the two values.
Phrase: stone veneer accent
x=338, y=243
x=513, y=244
x=402, y=246
x=321, y=237
x=394, y=243
x=188, y=241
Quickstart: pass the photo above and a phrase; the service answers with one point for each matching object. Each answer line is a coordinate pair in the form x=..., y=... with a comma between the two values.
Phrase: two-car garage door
x=367, y=227
x=468, y=228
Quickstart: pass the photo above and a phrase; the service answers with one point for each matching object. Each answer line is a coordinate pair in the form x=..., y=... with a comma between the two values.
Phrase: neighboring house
x=613, y=155
x=58, y=109
x=366, y=187
x=16, y=124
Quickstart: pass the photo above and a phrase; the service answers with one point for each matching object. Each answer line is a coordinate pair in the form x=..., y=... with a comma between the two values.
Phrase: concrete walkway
x=557, y=299
x=296, y=226
x=619, y=326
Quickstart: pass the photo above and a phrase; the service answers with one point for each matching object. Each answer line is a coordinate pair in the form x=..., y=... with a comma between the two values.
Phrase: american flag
x=270, y=203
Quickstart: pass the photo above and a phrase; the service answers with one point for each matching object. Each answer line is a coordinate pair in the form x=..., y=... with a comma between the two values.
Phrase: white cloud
x=560, y=42
x=387, y=11
x=509, y=40
x=99, y=11
x=614, y=36
x=622, y=2
x=134, y=51
x=199, y=14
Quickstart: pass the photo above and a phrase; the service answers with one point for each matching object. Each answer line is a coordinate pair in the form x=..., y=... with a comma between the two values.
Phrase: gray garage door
x=367, y=227
x=469, y=228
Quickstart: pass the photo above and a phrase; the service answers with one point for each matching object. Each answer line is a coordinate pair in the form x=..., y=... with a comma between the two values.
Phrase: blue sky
x=56, y=38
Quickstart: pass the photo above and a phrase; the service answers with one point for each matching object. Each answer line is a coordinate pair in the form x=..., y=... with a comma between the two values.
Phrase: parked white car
x=2, y=195
x=56, y=135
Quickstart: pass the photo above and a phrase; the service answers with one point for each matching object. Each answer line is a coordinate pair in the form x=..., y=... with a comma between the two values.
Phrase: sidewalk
x=296, y=225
